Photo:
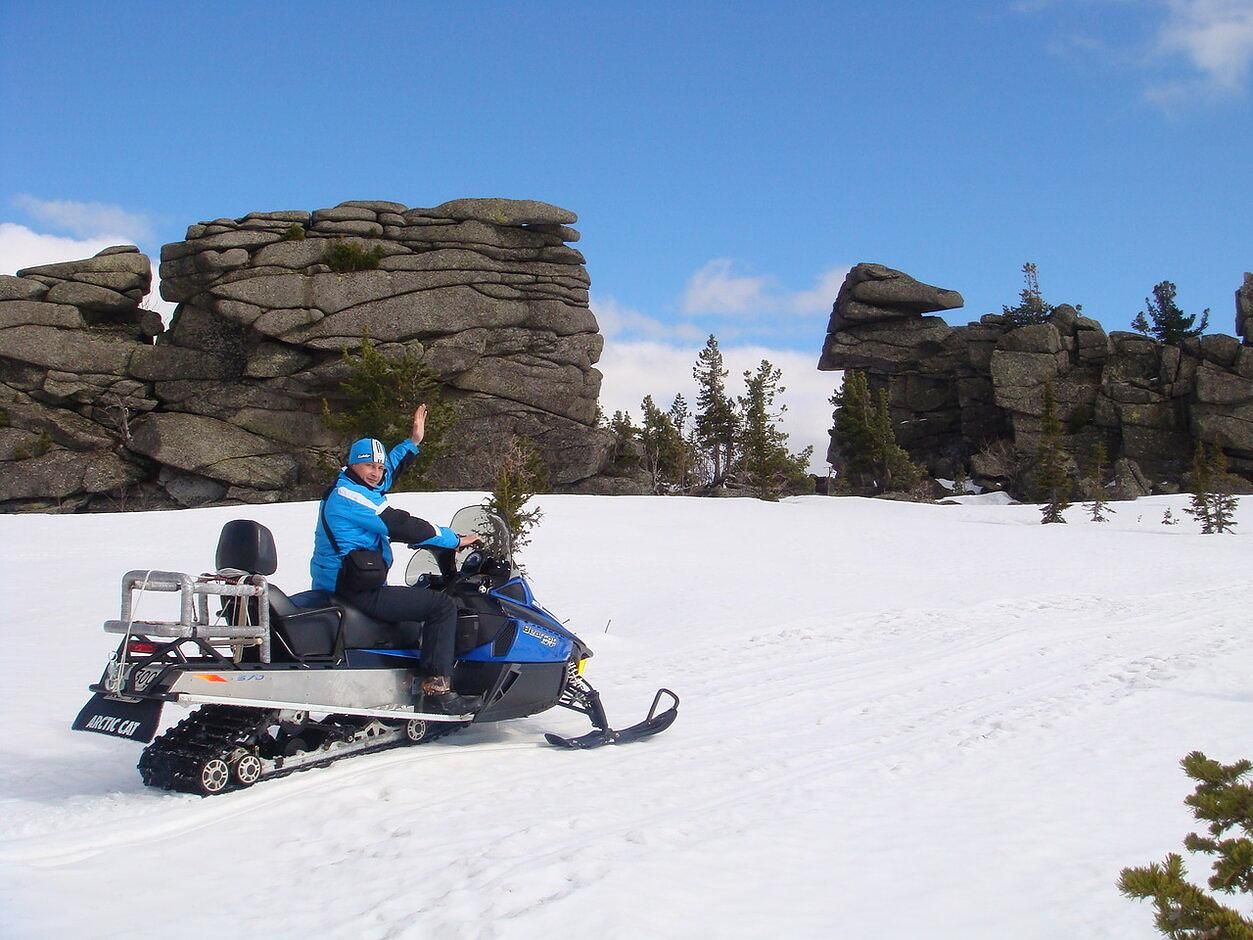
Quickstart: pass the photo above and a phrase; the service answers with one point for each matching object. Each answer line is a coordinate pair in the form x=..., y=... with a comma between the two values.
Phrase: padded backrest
x=248, y=546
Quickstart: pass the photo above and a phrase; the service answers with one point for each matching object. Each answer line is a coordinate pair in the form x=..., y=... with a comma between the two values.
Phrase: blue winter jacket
x=361, y=517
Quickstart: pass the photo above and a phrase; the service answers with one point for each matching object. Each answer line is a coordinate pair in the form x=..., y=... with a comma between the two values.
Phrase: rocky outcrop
x=227, y=403
x=1244, y=310
x=954, y=391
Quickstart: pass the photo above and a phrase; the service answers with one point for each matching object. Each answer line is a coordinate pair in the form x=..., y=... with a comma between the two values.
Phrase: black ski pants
x=403, y=605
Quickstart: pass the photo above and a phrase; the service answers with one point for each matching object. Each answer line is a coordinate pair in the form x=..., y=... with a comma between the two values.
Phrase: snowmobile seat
x=322, y=632
x=303, y=632
x=311, y=600
x=364, y=632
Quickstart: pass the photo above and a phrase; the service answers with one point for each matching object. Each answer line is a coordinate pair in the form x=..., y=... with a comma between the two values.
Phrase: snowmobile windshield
x=488, y=526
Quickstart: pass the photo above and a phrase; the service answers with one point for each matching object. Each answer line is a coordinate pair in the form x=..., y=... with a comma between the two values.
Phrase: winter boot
x=436, y=695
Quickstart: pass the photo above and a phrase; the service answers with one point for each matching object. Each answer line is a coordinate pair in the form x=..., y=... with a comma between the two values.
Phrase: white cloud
x=635, y=369
x=1203, y=47
x=87, y=219
x=617, y=319
x=22, y=248
x=1216, y=37
x=718, y=288
x=821, y=297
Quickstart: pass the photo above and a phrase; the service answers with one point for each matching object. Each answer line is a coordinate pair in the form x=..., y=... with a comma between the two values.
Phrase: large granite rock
x=227, y=404
x=953, y=392
x=1244, y=310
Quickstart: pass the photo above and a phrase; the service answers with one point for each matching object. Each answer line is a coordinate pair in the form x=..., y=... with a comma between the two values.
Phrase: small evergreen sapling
x=1184, y=911
x=1169, y=518
x=1051, y=479
x=960, y=480
x=1199, y=506
x=1096, y=484
x=520, y=474
x=1222, y=503
x=1169, y=323
x=1031, y=307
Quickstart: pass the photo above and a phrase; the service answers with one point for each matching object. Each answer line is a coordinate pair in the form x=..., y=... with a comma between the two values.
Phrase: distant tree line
x=725, y=443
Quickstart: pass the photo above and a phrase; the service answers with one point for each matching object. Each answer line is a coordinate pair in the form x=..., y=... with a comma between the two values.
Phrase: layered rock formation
x=955, y=392
x=1244, y=309
x=67, y=335
x=226, y=406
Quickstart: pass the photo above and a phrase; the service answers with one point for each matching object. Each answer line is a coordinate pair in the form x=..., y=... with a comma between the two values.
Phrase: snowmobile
x=283, y=683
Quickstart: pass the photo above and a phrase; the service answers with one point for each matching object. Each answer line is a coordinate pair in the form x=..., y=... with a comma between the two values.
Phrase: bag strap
x=322, y=516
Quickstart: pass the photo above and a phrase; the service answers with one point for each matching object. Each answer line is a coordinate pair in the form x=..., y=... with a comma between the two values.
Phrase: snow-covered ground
x=898, y=721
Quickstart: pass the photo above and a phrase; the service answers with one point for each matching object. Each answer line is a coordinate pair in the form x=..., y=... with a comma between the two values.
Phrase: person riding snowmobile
x=352, y=555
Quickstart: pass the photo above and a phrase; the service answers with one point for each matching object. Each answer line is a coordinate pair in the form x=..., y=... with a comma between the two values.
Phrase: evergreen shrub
x=1223, y=799
x=378, y=397
x=344, y=257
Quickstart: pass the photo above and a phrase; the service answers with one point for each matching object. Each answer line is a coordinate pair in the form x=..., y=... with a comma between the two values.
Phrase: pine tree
x=379, y=395
x=960, y=480
x=679, y=413
x=1199, y=507
x=520, y=474
x=1096, y=483
x=1169, y=323
x=866, y=441
x=1168, y=517
x=767, y=465
x=1052, y=482
x=625, y=435
x=716, y=426
x=896, y=471
x=852, y=431
x=1031, y=306
x=1183, y=910
x=662, y=446
x=1222, y=504
x=685, y=456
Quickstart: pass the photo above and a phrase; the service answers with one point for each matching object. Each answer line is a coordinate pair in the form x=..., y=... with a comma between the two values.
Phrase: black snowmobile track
x=176, y=760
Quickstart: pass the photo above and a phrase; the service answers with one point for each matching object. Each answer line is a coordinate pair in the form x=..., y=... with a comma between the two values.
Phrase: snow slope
x=898, y=720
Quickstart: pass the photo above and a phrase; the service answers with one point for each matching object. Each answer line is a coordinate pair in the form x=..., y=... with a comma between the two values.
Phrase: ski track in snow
x=939, y=744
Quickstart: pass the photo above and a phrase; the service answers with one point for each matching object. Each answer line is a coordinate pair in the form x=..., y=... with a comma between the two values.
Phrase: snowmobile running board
x=187, y=699
x=653, y=724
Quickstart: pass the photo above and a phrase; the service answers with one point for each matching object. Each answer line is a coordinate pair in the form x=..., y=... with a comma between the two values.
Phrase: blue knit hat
x=367, y=450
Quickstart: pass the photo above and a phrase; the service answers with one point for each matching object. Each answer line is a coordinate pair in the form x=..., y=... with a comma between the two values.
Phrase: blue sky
x=728, y=161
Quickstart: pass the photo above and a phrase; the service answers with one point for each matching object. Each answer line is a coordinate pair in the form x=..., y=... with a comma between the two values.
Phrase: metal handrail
x=194, y=593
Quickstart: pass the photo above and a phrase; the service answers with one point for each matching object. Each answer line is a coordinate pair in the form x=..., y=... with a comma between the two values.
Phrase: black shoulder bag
x=363, y=569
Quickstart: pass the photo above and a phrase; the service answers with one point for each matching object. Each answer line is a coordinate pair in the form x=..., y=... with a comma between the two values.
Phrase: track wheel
x=248, y=770
x=215, y=774
x=415, y=730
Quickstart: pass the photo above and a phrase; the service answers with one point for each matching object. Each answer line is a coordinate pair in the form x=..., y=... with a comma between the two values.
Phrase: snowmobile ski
x=653, y=724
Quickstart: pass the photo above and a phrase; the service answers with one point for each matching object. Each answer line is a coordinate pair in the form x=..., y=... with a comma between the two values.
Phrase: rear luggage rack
x=194, y=622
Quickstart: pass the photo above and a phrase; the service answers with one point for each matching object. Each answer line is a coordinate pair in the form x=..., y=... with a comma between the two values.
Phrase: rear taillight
x=140, y=648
